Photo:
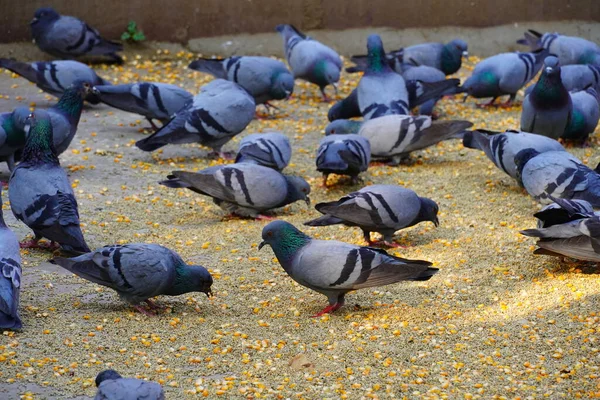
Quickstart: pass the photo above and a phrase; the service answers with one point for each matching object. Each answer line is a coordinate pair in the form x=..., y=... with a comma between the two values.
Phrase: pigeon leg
x=153, y=305
x=367, y=237
x=30, y=244
x=354, y=180
x=221, y=154
x=489, y=104
x=152, y=123
x=393, y=244
x=325, y=176
x=509, y=102
x=328, y=310
x=261, y=217
x=269, y=105
x=325, y=98
x=144, y=311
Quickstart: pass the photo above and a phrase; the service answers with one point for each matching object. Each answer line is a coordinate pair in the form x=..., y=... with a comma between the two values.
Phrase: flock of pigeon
x=563, y=104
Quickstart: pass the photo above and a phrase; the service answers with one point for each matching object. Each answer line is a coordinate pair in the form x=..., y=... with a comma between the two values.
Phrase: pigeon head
x=549, y=91
x=336, y=111
x=284, y=238
x=107, y=375
x=342, y=126
x=429, y=211
x=39, y=146
x=522, y=158
x=375, y=54
x=44, y=16
x=71, y=102
x=191, y=278
x=461, y=46
x=298, y=189
x=452, y=54
x=19, y=117
x=326, y=72
x=551, y=65
x=282, y=86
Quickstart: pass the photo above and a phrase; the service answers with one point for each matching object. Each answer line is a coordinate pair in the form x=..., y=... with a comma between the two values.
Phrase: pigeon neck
x=71, y=104
x=451, y=59
x=376, y=61
x=182, y=284
x=40, y=145
x=576, y=125
x=549, y=92
x=15, y=137
x=288, y=245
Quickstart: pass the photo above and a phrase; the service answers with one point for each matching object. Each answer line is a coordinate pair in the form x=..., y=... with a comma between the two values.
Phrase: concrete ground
x=495, y=322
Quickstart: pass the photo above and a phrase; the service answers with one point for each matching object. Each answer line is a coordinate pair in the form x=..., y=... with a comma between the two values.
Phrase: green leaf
x=131, y=27
x=125, y=36
x=139, y=36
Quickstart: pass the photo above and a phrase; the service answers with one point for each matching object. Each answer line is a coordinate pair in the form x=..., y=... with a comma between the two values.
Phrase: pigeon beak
x=95, y=91
x=209, y=293
x=307, y=200
x=436, y=222
x=548, y=70
x=465, y=53
x=288, y=93
x=260, y=246
x=33, y=21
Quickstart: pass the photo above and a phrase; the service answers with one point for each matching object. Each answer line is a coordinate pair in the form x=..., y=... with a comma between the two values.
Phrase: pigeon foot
x=328, y=310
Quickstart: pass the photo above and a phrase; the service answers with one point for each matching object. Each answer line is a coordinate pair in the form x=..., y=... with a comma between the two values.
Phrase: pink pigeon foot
x=328, y=310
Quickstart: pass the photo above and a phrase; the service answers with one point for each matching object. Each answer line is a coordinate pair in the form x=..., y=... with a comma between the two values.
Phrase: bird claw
x=144, y=311
x=328, y=310
x=153, y=305
x=261, y=217
x=35, y=244
x=386, y=243
x=221, y=154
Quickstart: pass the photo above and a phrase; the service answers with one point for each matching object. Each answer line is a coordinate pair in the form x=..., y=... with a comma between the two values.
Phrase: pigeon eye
x=270, y=234
x=333, y=131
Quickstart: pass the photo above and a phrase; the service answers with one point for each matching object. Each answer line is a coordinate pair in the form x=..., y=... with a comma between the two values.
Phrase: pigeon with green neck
x=335, y=268
x=139, y=271
x=40, y=193
x=12, y=134
x=568, y=49
x=547, y=110
x=309, y=59
x=585, y=115
x=10, y=276
x=66, y=113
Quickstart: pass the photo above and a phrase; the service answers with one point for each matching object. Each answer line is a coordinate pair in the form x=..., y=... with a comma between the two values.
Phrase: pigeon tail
x=10, y=321
x=210, y=66
x=84, y=268
x=532, y=39
x=324, y=220
x=426, y=275
x=160, y=138
x=20, y=68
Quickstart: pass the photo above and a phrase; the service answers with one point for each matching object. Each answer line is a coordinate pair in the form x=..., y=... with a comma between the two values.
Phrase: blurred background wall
x=181, y=20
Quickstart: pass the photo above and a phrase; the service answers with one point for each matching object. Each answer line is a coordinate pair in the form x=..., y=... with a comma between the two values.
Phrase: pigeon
x=343, y=155
x=139, y=271
x=10, y=276
x=443, y=57
x=271, y=150
x=64, y=36
x=309, y=59
x=568, y=228
x=55, y=77
x=503, y=74
x=378, y=208
x=502, y=147
x=264, y=78
x=579, y=77
x=220, y=111
x=424, y=73
x=419, y=93
x=557, y=174
x=568, y=49
x=40, y=193
x=335, y=268
x=243, y=189
x=381, y=91
x=112, y=386
x=65, y=114
x=12, y=134
x=153, y=100
x=585, y=115
x=547, y=109
x=394, y=137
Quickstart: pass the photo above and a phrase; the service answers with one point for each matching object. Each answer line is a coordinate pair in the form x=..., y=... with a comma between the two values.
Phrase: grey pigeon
x=112, y=386
x=579, y=77
x=243, y=189
x=12, y=134
x=568, y=228
x=10, y=276
x=557, y=174
x=64, y=36
x=271, y=150
x=263, y=77
x=378, y=208
x=502, y=147
x=346, y=108
x=55, y=77
x=394, y=137
x=443, y=57
x=547, y=109
x=380, y=91
x=309, y=59
x=568, y=49
x=503, y=74
x=220, y=111
x=335, y=268
x=40, y=193
x=139, y=271
x=65, y=114
x=585, y=115
x=153, y=100
x=343, y=155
